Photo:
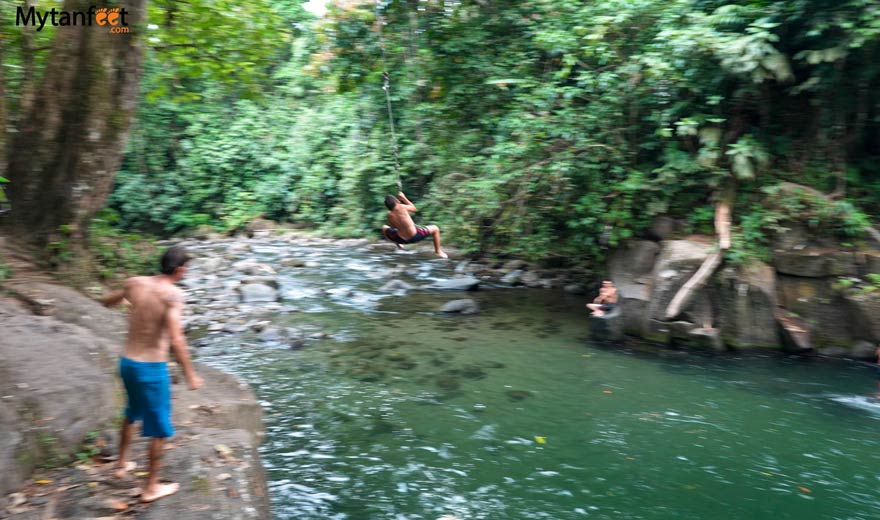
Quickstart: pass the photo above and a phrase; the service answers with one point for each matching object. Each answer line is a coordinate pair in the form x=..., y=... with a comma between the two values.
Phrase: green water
x=407, y=414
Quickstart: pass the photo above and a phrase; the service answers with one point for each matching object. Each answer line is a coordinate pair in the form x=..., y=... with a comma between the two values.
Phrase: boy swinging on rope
x=403, y=230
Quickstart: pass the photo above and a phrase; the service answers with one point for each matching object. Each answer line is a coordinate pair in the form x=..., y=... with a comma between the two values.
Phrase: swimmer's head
x=173, y=260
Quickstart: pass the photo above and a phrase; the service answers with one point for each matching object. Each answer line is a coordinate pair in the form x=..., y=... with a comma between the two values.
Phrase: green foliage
x=834, y=218
x=116, y=253
x=5, y=270
x=532, y=128
x=89, y=449
x=113, y=253
x=869, y=285
x=750, y=240
x=873, y=284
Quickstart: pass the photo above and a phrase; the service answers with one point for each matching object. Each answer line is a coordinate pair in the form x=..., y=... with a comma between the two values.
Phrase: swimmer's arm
x=407, y=205
x=114, y=298
x=178, y=344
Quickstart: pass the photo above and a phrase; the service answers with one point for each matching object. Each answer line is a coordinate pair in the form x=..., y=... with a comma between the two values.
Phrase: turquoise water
x=403, y=413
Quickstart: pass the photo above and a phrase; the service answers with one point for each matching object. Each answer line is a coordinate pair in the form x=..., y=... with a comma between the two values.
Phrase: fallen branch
x=697, y=281
x=712, y=262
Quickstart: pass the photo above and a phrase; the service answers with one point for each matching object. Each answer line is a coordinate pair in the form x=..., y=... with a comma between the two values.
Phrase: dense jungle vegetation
x=541, y=128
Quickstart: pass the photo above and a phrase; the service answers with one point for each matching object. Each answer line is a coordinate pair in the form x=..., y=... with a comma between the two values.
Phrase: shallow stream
x=405, y=413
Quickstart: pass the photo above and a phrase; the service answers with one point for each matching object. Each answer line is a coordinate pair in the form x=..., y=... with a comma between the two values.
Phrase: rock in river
x=464, y=306
x=465, y=283
x=257, y=292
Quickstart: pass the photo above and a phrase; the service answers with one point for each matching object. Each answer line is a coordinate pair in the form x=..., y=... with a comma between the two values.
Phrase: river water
x=405, y=413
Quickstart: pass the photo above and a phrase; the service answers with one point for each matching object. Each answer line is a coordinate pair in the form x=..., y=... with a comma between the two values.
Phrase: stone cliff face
x=756, y=305
x=58, y=384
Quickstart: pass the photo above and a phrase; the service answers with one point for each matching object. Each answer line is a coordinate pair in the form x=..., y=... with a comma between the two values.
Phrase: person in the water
x=403, y=230
x=156, y=305
x=606, y=300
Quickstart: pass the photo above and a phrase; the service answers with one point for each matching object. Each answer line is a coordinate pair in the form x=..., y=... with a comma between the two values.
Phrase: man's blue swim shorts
x=148, y=386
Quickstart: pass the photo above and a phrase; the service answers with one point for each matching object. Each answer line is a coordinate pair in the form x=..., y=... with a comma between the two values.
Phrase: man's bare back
x=403, y=230
x=154, y=303
x=400, y=218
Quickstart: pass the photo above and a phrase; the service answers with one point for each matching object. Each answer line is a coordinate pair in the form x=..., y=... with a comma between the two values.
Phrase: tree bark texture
x=70, y=139
x=723, y=217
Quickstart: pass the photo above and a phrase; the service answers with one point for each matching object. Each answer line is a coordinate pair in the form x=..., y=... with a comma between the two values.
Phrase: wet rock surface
x=464, y=306
x=51, y=366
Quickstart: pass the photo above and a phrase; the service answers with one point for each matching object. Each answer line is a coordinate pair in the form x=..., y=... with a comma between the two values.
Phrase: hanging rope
x=386, y=86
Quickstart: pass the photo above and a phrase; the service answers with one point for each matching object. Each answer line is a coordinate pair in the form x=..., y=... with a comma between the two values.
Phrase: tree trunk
x=3, y=114
x=712, y=262
x=70, y=140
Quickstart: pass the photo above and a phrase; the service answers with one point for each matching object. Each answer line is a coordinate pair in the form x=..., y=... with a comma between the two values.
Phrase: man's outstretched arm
x=407, y=205
x=178, y=345
x=114, y=298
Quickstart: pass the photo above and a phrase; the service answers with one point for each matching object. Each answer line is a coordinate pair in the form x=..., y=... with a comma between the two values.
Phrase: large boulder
x=747, y=305
x=633, y=260
x=630, y=268
x=815, y=301
x=865, y=316
x=663, y=228
x=677, y=262
x=869, y=262
x=815, y=263
x=48, y=371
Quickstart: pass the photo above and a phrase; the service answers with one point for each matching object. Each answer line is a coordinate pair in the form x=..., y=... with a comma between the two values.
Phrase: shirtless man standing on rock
x=154, y=324
x=403, y=230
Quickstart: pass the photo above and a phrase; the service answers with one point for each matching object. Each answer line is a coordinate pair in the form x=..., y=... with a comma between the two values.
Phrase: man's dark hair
x=173, y=258
x=390, y=202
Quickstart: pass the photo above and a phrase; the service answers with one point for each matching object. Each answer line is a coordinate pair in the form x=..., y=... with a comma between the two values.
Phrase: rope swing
x=386, y=86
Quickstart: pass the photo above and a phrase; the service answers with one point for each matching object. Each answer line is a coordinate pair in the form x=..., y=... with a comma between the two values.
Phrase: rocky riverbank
x=815, y=295
x=59, y=406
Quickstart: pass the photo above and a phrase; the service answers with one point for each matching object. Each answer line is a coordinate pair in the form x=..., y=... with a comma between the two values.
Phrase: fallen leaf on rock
x=43, y=481
x=141, y=474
